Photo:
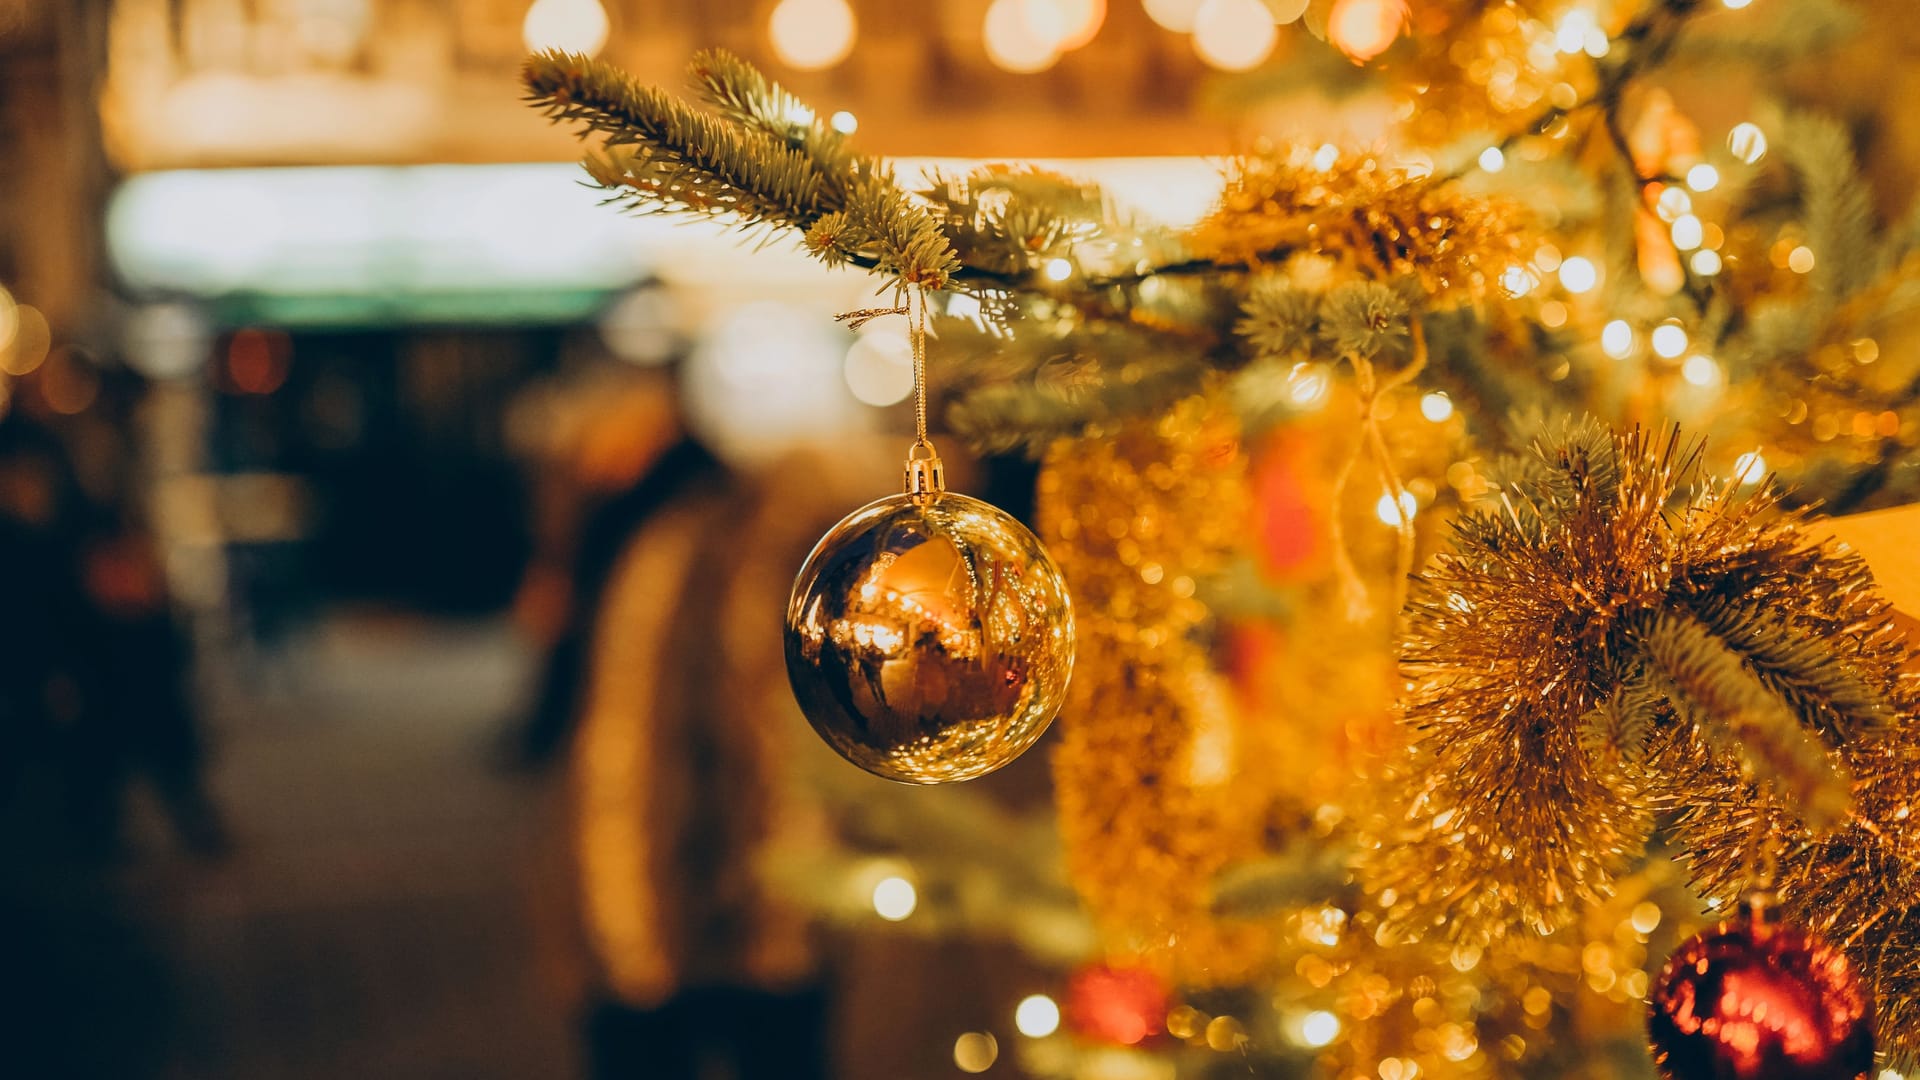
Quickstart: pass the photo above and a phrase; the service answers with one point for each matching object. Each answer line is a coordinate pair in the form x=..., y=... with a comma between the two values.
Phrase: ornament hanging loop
x=924, y=473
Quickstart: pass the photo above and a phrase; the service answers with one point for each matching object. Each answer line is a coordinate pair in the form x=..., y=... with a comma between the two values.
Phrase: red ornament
x=1115, y=1004
x=1752, y=1000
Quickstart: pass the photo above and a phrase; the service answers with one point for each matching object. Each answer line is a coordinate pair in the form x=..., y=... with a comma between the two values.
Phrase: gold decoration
x=1153, y=800
x=1604, y=645
x=929, y=638
x=1372, y=219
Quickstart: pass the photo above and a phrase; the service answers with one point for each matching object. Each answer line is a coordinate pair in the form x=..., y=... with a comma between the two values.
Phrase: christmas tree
x=1448, y=649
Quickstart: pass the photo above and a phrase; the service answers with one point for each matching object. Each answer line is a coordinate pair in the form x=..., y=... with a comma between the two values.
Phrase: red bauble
x=1751, y=1000
x=1115, y=1004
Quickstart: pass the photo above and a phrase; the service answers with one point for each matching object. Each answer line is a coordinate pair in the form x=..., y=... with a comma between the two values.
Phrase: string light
x=1669, y=340
x=1687, y=233
x=579, y=26
x=1436, y=406
x=1705, y=262
x=1037, y=1016
x=1700, y=370
x=1672, y=203
x=1325, y=157
x=1579, y=275
x=1749, y=468
x=1307, y=385
x=1319, y=1028
x=1175, y=15
x=975, y=1052
x=894, y=898
x=1736, y=5
x=1517, y=281
x=1571, y=35
x=1616, y=339
x=1058, y=269
x=1010, y=45
x=1703, y=177
x=1286, y=11
x=812, y=34
x=1800, y=260
x=1363, y=29
x=1234, y=35
x=1747, y=142
x=1493, y=159
x=1064, y=25
x=844, y=122
x=1389, y=514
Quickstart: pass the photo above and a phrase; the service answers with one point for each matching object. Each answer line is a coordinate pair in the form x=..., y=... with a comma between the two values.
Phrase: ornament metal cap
x=925, y=475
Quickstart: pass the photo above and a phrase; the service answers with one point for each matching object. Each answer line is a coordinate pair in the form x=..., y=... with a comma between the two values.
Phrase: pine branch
x=1803, y=668
x=1738, y=715
x=681, y=159
x=1615, y=733
x=1837, y=205
x=742, y=94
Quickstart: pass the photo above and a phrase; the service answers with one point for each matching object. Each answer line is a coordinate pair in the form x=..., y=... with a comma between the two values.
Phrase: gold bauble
x=929, y=638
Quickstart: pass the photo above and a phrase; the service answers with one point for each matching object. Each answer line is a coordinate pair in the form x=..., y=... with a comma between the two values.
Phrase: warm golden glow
x=812, y=34
x=574, y=25
x=1363, y=29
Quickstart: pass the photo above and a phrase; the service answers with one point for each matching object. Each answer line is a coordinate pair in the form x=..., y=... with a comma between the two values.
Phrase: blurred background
x=332, y=403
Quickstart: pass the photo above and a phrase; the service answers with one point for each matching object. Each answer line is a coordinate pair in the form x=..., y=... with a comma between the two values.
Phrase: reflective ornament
x=1752, y=1000
x=929, y=637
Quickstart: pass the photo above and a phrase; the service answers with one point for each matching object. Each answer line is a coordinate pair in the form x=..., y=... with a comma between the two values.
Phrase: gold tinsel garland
x=1614, y=640
x=1152, y=806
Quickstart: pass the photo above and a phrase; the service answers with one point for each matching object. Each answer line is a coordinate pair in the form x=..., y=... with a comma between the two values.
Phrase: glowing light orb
x=812, y=34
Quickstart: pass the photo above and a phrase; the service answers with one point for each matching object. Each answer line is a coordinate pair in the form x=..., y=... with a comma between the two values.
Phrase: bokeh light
x=1175, y=15
x=1669, y=340
x=1363, y=29
x=894, y=898
x=812, y=34
x=1037, y=1016
x=975, y=1052
x=1234, y=35
x=1747, y=142
x=1064, y=25
x=579, y=26
x=1011, y=45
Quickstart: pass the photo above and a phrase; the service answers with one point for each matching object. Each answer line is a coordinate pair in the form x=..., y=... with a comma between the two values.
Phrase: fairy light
x=1036, y=1016
x=1011, y=45
x=1747, y=142
x=1700, y=370
x=1800, y=260
x=894, y=898
x=1687, y=233
x=1319, y=1028
x=1616, y=339
x=1736, y=5
x=844, y=122
x=1308, y=384
x=1064, y=25
x=579, y=26
x=975, y=1052
x=1669, y=340
x=1493, y=159
x=812, y=34
x=1571, y=35
x=1436, y=406
x=1673, y=202
x=1058, y=269
x=1363, y=29
x=1325, y=157
x=1703, y=177
x=1749, y=468
x=1598, y=44
x=1548, y=258
x=1579, y=275
x=1389, y=514
x=1234, y=35
x=1175, y=15
x=1705, y=262
x=1517, y=281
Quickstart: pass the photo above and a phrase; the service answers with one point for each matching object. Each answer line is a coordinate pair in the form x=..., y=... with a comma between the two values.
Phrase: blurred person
x=139, y=720
x=45, y=653
x=679, y=784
